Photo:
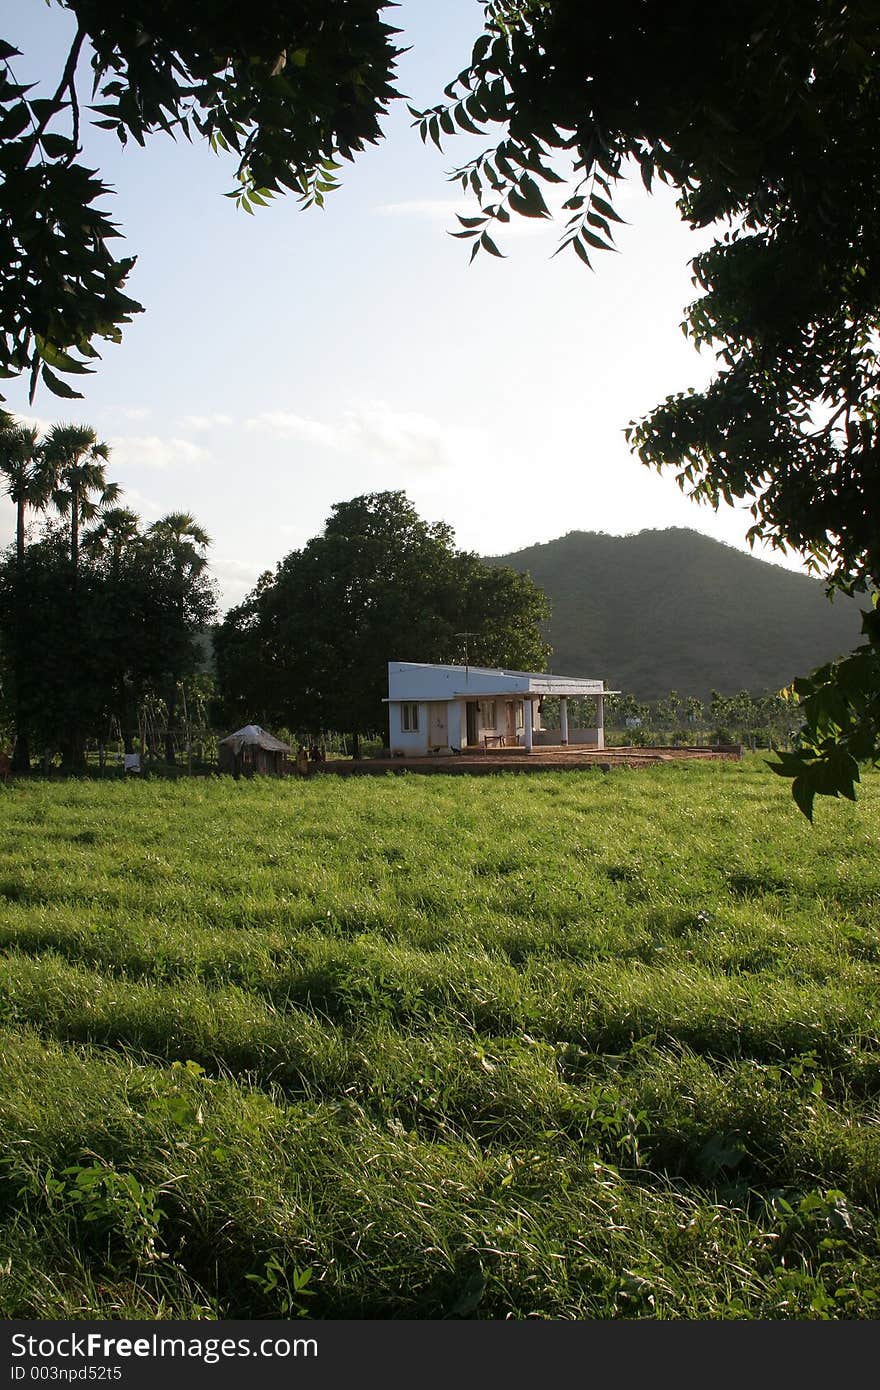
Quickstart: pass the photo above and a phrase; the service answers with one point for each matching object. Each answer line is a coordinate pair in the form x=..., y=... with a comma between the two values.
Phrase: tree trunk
x=73, y=753
x=74, y=531
x=171, y=704
x=128, y=721
x=21, y=753
x=355, y=746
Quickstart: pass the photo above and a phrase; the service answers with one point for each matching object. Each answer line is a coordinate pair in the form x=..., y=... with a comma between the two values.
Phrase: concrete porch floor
x=547, y=758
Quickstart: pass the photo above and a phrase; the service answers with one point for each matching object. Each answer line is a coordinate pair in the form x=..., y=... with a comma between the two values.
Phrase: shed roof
x=254, y=736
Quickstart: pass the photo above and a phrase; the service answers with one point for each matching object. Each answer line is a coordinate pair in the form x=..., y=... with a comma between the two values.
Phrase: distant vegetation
x=676, y=610
x=570, y=1046
x=309, y=647
x=100, y=618
x=106, y=644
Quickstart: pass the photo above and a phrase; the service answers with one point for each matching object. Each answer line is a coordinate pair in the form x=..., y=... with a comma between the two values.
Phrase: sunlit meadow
x=571, y=1045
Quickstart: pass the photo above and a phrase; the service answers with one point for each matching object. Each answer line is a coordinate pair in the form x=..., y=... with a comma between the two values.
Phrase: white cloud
x=149, y=451
x=404, y=437
x=286, y=424
x=434, y=209
x=34, y=421
x=206, y=422
x=235, y=578
x=400, y=436
x=448, y=210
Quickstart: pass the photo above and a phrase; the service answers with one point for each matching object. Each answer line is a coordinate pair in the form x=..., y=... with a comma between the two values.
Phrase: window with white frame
x=409, y=717
x=488, y=713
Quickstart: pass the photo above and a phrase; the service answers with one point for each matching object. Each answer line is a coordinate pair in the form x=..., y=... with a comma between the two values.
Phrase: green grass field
x=575, y=1045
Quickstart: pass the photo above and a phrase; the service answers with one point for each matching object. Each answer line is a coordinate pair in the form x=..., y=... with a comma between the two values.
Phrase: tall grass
x=565, y=1046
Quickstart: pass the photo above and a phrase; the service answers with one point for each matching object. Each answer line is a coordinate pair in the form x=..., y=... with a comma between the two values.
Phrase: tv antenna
x=464, y=636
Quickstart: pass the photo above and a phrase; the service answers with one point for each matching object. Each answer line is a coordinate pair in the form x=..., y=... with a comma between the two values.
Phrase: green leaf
x=596, y=241
x=463, y=119
x=534, y=197
x=59, y=387
x=15, y=120
x=804, y=795
x=59, y=359
x=488, y=245
x=606, y=209
x=523, y=206
x=57, y=146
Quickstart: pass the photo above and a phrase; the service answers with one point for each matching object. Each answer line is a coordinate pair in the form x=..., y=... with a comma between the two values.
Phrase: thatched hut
x=253, y=751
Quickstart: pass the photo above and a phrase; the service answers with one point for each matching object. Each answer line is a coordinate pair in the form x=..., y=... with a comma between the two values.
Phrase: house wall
x=583, y=736
x=411, y=741
x=457, y=724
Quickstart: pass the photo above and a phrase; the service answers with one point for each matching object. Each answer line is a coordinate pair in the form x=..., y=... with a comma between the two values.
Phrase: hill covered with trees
x=674, y=609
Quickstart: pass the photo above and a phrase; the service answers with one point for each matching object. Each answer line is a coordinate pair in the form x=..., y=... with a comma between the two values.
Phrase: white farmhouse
x=441, y=709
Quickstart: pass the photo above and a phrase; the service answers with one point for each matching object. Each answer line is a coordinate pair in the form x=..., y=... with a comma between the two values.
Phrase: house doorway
x=510, y=727
x=439, y=731
x=472, y=709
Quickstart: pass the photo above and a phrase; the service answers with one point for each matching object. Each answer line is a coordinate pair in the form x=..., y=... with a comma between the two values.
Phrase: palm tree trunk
x=21, y=754
x=74, y=753
x=19, y=534
x=74, y=529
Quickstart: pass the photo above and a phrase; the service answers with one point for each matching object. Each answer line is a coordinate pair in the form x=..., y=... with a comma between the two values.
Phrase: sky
x=295, y=359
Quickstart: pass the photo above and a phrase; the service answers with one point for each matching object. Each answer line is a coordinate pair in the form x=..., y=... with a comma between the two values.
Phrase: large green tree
x=310, y=647
x=178, y=546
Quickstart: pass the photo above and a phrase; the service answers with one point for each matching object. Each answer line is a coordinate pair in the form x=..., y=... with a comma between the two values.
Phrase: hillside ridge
x=675, y=609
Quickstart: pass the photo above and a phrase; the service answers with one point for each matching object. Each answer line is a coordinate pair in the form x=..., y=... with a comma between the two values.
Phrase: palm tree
x=180, y=543
x=117, y=540
x=27, y=482
x=181, y=538
x=76, y=458
x=27, y=485
x=117, y=529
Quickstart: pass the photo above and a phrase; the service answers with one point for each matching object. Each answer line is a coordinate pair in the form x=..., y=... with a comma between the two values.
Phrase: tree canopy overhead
x=289, y=89
x=765, y=115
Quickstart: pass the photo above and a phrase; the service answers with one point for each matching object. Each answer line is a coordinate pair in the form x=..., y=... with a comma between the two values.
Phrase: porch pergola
x=531, y=687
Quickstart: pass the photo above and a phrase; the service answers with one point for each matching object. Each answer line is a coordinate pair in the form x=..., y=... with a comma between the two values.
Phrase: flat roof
x=485, y=695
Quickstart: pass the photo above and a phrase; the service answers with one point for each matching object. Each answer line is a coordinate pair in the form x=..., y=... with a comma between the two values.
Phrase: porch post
x=527, y=723
x=600, y=721
x=563, y=718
